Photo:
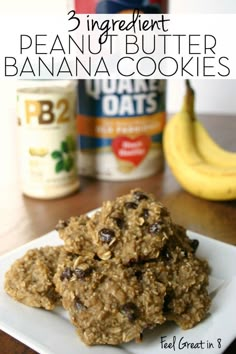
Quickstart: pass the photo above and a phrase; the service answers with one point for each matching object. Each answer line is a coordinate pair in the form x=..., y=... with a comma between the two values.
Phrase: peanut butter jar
x=47, y=138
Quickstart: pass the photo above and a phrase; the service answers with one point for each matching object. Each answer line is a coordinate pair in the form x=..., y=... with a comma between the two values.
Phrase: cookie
x=186, y=279
x=76, y=234
x=125, y=269
x=187, y=301
x=108, y=302
x=131, y=228
x=30, y=278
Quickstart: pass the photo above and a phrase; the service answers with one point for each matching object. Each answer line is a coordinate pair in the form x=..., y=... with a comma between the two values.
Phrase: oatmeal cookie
x=131, y=228
x=108, y=302
x=186, y=279
x=187, y=301
x=127, y=268
x=76, y=234
x=30, y=278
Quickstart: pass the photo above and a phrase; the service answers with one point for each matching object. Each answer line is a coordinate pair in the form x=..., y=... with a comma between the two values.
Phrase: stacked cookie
x=125, y=269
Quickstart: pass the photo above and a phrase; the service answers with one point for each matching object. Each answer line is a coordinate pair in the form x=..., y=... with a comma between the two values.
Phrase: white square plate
x=50, y=332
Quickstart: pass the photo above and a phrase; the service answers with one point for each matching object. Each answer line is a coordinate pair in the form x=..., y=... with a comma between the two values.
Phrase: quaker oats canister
x=120, y=122
x=47, y=138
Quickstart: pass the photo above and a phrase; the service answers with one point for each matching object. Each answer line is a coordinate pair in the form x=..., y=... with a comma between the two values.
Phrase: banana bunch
x=201, y=166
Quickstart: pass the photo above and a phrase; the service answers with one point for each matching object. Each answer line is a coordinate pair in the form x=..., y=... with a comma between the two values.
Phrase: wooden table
x=24, y=219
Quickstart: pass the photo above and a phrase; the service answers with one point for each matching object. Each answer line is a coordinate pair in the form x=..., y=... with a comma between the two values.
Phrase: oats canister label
x=120, y=124
x=47, y=140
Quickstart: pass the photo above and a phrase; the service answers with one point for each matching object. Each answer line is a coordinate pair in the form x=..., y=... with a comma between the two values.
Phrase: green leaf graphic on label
x=71, y=143
x=68, y=163
x=64, y=147
x=59, y=166
x=65, y=155
x=56, y=154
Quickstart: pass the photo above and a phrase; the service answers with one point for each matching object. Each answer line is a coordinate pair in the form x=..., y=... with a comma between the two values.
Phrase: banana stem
x=188, y=103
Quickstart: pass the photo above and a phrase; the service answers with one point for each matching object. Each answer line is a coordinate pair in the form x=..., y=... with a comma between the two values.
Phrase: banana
x=210, y=150
x=194, y=173
x=206, y=146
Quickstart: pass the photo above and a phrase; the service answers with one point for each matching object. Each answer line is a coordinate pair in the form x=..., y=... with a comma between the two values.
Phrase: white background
x=213, y=96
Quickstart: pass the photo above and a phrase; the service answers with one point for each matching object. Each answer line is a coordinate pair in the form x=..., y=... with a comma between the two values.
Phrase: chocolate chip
x=167, y=301
x=131, y=205
x=106, y=235
x=119, y=222
x=79, y=305
x=82, y=273
x=140, y=196
x=62, y=224
x=66, y=274
x=194, y=244
x=165, y=253
x=130, y=310
x=155, y=228
x=145, y=213
x=138, y=274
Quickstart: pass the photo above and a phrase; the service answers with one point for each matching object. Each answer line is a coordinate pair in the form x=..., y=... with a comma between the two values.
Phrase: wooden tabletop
x=24, y=219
